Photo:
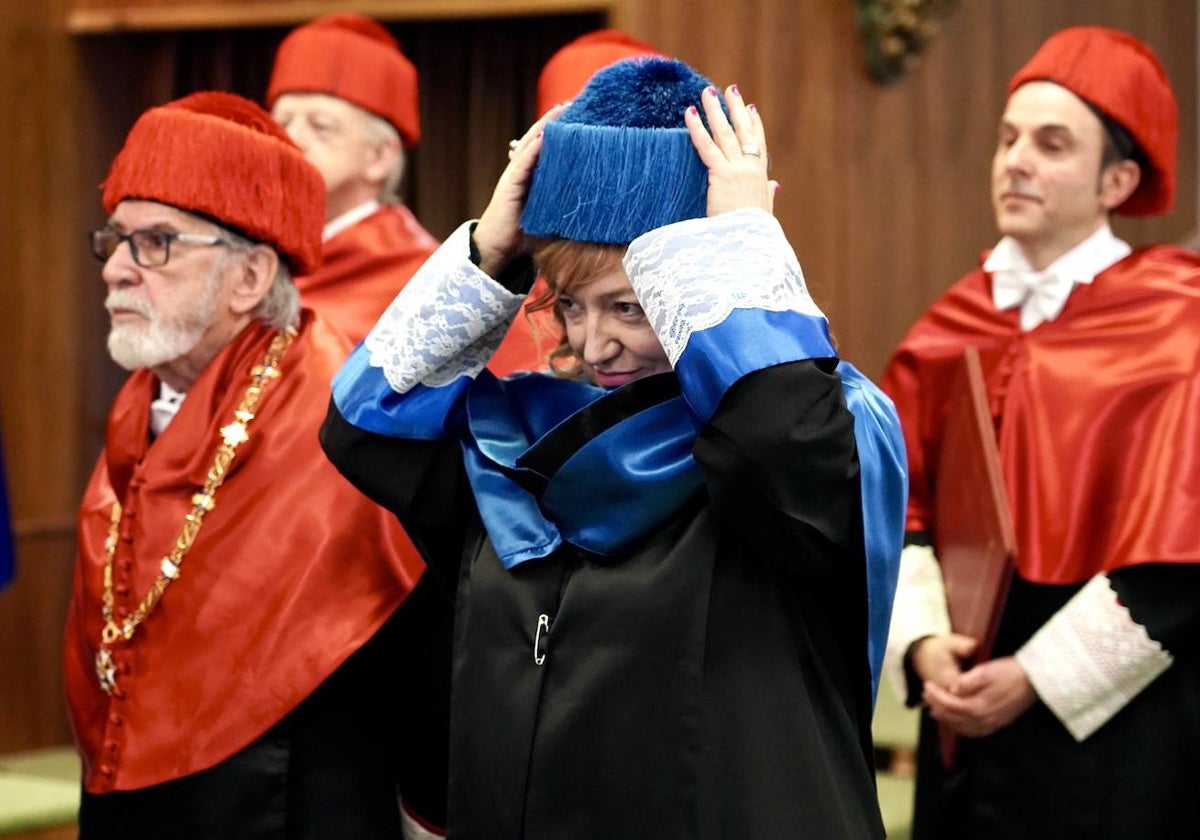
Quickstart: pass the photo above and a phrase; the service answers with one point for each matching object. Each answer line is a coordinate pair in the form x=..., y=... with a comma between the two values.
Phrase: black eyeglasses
x=150, y=247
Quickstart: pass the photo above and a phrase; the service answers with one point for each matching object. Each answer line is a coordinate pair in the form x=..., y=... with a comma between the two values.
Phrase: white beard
x=157, y=341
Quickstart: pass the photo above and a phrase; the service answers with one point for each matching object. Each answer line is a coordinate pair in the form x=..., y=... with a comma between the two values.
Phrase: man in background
x=348, y=96
x=1086, y=720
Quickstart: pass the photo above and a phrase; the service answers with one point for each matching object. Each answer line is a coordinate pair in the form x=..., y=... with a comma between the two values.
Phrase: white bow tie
x=1040, y=294
x=163, y=410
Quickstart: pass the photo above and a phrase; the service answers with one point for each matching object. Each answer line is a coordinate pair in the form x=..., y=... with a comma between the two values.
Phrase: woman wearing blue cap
x=672, y=556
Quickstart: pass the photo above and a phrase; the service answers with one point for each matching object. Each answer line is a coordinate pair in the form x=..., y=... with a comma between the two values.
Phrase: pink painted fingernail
x=752, y=107
x=692, y=109
x=778, y=188
x=735, y=90
x=710, y=89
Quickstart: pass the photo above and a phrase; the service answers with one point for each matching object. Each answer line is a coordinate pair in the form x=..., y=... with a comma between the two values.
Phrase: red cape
x=365, y=266
x=1098, y=414
x=292, y=571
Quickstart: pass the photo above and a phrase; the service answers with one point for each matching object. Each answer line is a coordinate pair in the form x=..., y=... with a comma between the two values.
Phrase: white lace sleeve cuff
x=691, y=275
x=726, y=297
x=413, y=829
x=918, y=611
x=1091, y=658
x=446, y=322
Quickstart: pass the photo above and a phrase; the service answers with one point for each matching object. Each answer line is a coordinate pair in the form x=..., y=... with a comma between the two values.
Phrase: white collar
x=165, y=407
x=348, y=219
x=1043, y=294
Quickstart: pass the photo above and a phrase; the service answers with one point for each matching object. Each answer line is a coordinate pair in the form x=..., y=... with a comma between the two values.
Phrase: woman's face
x=608, y=331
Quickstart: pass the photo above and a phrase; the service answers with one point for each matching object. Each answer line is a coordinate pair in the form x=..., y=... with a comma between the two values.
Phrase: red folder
x=973, y=534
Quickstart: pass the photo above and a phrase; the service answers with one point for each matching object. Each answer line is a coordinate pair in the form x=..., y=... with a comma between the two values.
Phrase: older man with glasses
x=231, y=646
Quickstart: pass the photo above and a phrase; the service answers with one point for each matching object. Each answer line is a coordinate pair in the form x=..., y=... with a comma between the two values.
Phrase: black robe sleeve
x=423, y=484
x=1165, y=599
x=782, y=475
x=781, y=464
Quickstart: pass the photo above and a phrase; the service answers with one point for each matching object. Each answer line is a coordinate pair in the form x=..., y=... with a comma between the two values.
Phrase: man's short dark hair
x=1118, y=143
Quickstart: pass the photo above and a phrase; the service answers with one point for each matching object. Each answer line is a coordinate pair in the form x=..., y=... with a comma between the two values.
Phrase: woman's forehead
x=612, y=283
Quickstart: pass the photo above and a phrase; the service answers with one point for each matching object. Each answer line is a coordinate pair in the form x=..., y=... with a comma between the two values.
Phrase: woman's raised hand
x=498, y=234
x=735, y=151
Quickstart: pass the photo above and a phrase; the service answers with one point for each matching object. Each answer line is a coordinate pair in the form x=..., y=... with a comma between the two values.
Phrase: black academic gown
x=711, y=682
x=1135, y=778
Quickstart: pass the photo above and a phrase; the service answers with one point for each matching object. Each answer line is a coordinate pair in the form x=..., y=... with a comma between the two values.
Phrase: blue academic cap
x=618, y=162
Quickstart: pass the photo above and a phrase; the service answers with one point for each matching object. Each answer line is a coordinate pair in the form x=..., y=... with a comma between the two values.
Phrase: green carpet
x=38, y=789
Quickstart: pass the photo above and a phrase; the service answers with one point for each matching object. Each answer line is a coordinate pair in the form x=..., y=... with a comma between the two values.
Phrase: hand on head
x=498, y=234
x=732, y=149
x=735, y=151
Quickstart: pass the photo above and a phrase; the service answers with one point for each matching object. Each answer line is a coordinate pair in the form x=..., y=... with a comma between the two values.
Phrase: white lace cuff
x=412, y=829
x=918, y=611
x=692, y=275
x=446, y=322
x=1091, y=658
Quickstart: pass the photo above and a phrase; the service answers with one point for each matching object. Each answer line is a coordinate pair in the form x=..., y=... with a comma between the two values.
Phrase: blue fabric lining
x=608, y=494
x=883, y=469
x=366, y=400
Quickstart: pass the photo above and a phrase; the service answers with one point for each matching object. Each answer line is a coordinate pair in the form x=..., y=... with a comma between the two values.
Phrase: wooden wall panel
x=885, y=189
x=40, y=387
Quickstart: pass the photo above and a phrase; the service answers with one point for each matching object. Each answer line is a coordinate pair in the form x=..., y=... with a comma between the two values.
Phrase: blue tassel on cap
x=619, y=161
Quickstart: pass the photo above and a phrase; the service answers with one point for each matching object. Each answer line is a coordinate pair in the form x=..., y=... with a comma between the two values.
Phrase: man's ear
x=255, y=274
x=1117, y=183
x=382, y=157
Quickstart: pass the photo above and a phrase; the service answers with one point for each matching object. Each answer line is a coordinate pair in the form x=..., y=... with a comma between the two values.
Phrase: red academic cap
x=353, y=58
x=569, y=69
x=223, y=157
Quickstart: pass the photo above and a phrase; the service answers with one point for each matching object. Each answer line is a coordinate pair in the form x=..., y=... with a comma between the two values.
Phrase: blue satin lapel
x=628, y=481
x=746, y=341
x=617, y=487
x=883, y=468
x=366, y=400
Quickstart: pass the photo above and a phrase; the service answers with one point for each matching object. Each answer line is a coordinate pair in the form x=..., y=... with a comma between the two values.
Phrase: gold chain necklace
x=232, y=436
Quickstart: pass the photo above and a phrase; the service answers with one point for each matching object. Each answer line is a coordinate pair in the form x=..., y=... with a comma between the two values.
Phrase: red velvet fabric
x=367, y=265
x=292, y=571
x=1098, y=414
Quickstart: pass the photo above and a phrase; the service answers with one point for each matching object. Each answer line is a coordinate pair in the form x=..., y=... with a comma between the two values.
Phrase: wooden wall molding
x=44, y=527
x=107, y=16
